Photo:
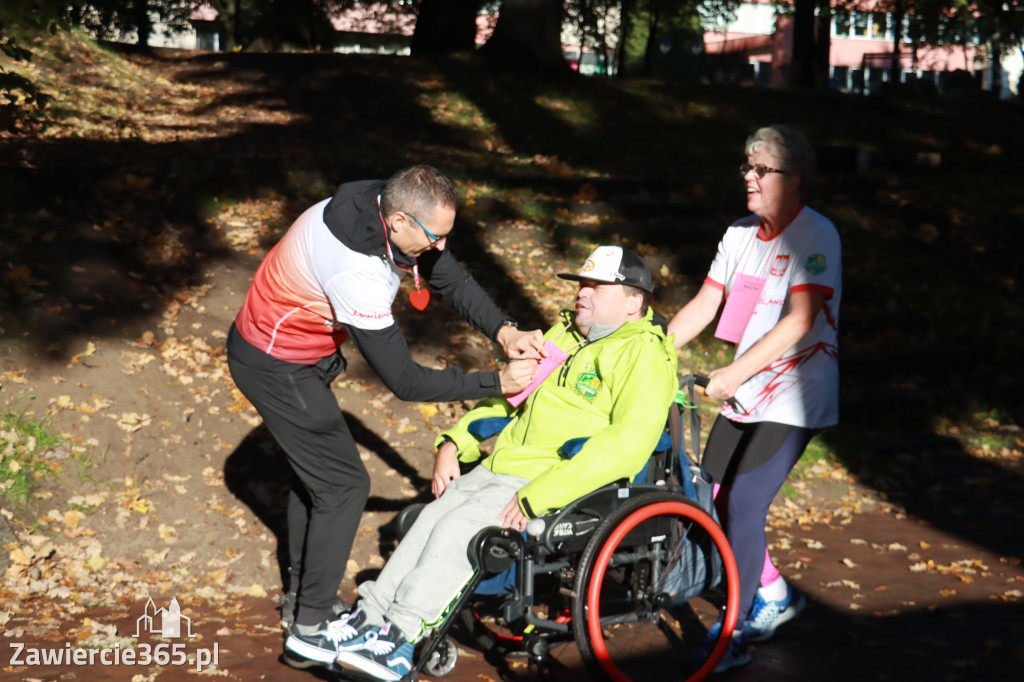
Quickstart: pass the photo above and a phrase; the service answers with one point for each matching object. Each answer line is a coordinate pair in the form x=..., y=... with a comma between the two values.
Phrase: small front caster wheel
x=443, y=658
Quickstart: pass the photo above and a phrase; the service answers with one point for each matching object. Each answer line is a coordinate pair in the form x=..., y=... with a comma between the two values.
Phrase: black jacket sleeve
x=464, y=293
x=388, y=354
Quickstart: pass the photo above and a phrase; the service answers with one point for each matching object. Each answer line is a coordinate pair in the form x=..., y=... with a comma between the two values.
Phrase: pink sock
x=769, y=573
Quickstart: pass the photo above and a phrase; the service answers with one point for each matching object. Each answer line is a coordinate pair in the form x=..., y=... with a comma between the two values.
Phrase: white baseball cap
x=615, y=265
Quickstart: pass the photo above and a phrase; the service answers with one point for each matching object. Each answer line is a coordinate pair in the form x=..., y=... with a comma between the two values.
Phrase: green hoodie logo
x=588, y=382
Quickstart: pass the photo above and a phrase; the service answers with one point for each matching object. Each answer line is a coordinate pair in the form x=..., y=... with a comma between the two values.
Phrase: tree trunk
x=997, y=69
x=228, y=19
x=288, y=24
x=237, y=35
x=897, y=39
x=528, y=36
x=823, y=45
x=445, y=26
x=652, y=42
x=801, y=72
x=625, y=29
x=143, y=27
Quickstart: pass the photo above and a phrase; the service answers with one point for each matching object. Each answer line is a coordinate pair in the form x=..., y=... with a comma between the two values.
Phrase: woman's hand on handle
x=723, y=383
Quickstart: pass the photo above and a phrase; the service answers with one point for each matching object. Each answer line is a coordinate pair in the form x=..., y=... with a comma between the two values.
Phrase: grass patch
x=23, y=442
x=817, y=457
x=990, y=443
x=817, y=451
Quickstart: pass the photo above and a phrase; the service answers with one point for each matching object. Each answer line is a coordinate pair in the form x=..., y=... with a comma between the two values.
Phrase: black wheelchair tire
x=661, y=629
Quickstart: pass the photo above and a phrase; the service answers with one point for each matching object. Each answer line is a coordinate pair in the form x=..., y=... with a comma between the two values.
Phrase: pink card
x=556, y=356
x=739, y=307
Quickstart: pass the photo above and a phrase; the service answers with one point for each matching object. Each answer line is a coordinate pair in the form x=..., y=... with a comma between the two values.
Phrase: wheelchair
x=634, y=573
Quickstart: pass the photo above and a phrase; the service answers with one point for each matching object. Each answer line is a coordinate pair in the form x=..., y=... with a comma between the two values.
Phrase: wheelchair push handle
x=696, y=379
x=702, y=381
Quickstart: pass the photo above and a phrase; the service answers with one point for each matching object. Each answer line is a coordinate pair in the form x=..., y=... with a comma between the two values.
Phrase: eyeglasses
x=760, y=170
x=430, y=235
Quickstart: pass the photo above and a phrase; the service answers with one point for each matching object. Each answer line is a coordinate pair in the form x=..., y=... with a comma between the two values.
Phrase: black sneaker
x=290, y=606
x=383, y=653
x=322, y=644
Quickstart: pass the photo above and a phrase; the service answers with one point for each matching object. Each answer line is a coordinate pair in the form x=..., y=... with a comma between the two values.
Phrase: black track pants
x=332, y=486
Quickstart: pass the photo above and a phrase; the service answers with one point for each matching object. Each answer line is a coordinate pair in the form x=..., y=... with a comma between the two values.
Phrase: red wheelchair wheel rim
x=597, y=580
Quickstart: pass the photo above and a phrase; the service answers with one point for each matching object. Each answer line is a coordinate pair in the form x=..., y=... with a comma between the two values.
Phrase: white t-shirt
x=802, y=387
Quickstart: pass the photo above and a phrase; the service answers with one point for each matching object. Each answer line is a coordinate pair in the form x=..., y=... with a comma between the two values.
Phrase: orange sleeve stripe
x=816, y=288
x=712, y=283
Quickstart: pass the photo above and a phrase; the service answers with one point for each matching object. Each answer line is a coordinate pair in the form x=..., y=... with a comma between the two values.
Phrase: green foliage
x=23, y=441
x=658, y=40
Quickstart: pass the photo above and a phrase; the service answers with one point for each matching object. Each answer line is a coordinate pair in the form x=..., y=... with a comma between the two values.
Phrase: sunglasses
x=760, y=170
x=430, y=235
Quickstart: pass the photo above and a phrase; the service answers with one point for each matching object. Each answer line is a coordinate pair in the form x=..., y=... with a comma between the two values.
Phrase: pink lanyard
x=419, y=297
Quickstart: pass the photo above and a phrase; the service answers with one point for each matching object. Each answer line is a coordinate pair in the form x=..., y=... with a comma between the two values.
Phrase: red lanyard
x=418, y=297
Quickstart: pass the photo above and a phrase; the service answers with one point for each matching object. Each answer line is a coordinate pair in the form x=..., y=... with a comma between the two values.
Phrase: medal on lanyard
x=419, y=297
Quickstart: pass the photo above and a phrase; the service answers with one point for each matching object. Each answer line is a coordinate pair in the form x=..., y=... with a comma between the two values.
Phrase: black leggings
x=751, y=461
x=332, y=486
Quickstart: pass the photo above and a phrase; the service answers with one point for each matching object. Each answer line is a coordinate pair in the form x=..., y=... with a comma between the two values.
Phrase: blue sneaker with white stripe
x=383, y=653
x=767, y=615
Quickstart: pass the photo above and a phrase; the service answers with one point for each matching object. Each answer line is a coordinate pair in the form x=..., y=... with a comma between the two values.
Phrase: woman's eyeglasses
x=760, y=170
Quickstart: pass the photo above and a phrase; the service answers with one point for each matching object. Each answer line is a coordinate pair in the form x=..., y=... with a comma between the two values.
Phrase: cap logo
x=589, y=266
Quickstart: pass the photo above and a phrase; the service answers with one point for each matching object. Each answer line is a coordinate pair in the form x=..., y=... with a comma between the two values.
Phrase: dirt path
x=889, y=599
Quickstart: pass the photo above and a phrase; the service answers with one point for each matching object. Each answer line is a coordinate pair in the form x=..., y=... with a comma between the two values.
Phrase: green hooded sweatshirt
x=616, y=391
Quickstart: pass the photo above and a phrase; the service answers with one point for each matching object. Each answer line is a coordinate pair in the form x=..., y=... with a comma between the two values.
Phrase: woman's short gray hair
x=790, y=147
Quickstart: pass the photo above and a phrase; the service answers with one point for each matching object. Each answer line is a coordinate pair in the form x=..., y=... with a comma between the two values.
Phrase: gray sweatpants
x=430, y=565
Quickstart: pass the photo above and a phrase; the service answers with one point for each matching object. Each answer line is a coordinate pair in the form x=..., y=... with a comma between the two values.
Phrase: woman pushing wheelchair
x=778, y=272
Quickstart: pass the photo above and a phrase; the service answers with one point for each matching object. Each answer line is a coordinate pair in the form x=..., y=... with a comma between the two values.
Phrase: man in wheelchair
x=614, y=384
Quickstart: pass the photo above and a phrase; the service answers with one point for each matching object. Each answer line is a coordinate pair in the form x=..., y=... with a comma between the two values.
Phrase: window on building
x=841, y=23
x=878, y=25
x=860, y=23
